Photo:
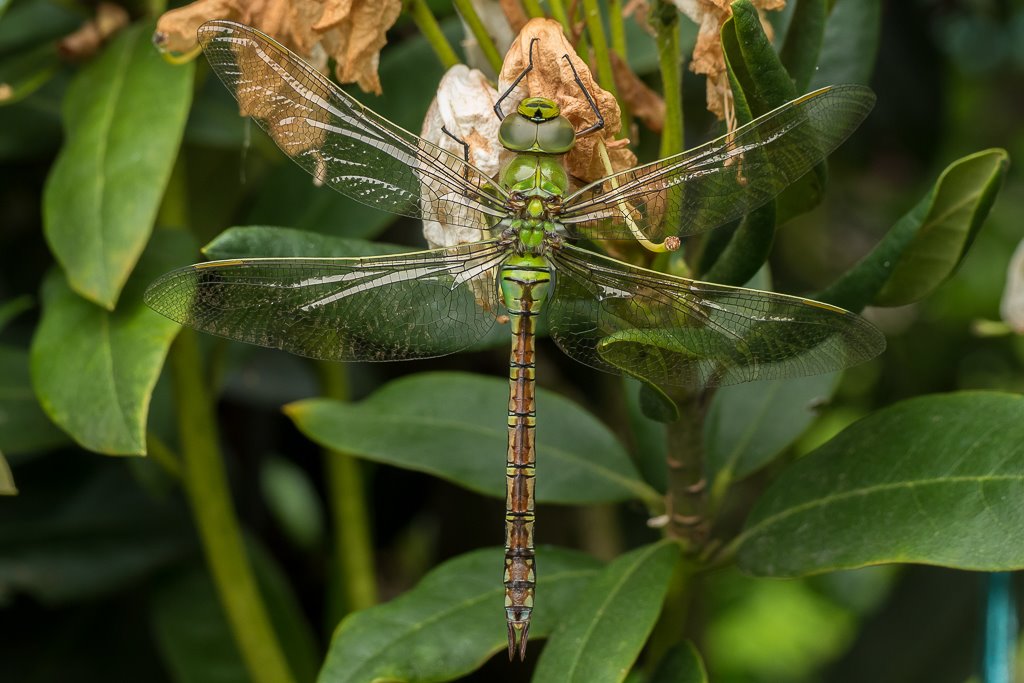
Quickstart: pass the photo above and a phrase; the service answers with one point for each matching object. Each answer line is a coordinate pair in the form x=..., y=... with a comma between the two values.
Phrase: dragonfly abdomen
x=525, y=283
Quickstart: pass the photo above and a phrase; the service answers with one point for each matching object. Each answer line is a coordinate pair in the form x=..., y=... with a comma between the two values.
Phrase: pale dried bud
x=1011, y=308
x=552, y=77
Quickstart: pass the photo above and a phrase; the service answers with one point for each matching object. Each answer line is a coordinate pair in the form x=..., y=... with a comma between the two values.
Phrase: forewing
x=381, y=308
x=341, y=142
x=715, y=183
x=678, y=332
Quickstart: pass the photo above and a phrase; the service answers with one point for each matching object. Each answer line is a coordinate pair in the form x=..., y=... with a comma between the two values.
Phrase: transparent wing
x=678, y=332
x=710, y=185
x=397, y=307
x=341, y=142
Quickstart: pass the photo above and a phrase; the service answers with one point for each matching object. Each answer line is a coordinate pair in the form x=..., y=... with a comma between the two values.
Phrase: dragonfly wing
x=678, y=332
x=720, y=181
x=341, y=142
x=395, y=307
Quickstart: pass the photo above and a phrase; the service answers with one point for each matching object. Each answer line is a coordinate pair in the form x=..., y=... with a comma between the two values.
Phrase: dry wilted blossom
x=350, y=31
x=708, y=57
x=645, y=104
x=551, y=77
x=88, y=38
x=464, y=106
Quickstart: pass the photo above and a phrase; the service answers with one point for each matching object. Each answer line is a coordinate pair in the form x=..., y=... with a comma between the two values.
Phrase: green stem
x=206, y=483
x=560, y=15
x=353, y=547
x=665, y=19
x=603, y=60
x=533, y=8
x=431, y=30
x=162, y=454
x=483, y=39
x=617, y=28
x=687, y=487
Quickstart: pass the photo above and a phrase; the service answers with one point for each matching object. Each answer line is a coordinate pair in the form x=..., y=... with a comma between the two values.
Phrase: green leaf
x=454, y=426
x=273, y=242
x=933, y=480
x=601, y=637
x=7, y=487
x=803, y=41
x=31, y=22
x=124, y=115
x=752, y=61
x=196, y=641
x=24, y=427
x=926, y=245
x=452, y=621
x=85, y=531
x=25, y=72
x=292, y=500
x=850, y=44
x=681, y=664
x=748, y=425
x=94, y=370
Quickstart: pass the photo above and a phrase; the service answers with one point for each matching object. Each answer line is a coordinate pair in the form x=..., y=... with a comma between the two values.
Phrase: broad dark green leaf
x=94, y=370
x=681, y=664
x=454, y=426
x=24, y=427
x=273, y=242
x=933, y=480
x=927, y=244
x=32, y=22
x=802, y=47
x=124, y=115
x=23, y=73
x=452, y=621
x=601, y=637
x=196, y=640
x=749, y=424
x=4, y=4
x=850, y=45
x=7, y=487
x=85, y=531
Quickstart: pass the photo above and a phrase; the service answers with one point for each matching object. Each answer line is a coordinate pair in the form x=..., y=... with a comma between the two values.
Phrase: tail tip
x=518, y=634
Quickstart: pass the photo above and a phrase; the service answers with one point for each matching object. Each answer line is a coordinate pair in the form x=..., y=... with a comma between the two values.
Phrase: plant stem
x=605, y=74
x=687, y=494
x=559, y=13
x=483, y=39
x=665, y=19
x=353, y=548
x=431, y=30
x=206, y=483
x=533, y=8
x=617, y=28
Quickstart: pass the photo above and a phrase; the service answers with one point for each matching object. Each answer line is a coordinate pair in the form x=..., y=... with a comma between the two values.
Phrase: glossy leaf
x=452, y=425
x=851, y=43
x=24, y=427
x=933, y=480
x=601, y=637
x=452, y=621
x=926, y=245
x=273, y=242
x=802, y=46
x=749, y=424
x=32, y=22
x=681, y=664
x=124, y=115
x=7, y=487
x=94, y=370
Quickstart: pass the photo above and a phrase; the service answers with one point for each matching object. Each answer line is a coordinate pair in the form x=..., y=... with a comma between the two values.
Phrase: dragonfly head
x=537, y=126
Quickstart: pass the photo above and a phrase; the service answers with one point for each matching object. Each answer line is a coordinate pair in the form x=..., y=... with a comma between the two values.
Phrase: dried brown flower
x=552, y=77
x=708, y=57
x=350, y=31
x=645, y=103
x=87, y=39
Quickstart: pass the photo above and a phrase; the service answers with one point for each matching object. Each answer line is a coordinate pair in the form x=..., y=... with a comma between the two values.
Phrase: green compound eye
x=556, y=136
x=538, y=109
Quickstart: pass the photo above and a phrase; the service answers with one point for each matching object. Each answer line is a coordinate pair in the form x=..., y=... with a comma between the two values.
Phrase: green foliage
x=209, y=560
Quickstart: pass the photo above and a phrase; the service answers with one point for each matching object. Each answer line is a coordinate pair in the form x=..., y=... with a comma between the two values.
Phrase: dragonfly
x=528, y=262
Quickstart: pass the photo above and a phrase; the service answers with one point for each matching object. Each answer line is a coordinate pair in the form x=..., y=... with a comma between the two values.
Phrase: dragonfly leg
x=465, y=151
x=599, y=123
x=508, y=91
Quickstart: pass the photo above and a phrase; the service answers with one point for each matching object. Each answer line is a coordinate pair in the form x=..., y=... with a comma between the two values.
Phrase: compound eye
x=517, y=134
x=556, y=136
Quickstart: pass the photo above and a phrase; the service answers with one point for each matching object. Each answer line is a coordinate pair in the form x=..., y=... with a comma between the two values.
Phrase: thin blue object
x=1000, y=629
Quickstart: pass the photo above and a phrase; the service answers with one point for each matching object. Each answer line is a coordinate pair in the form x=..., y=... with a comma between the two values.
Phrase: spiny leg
x=465, y=151
x=508, y=91
x=599, y=124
